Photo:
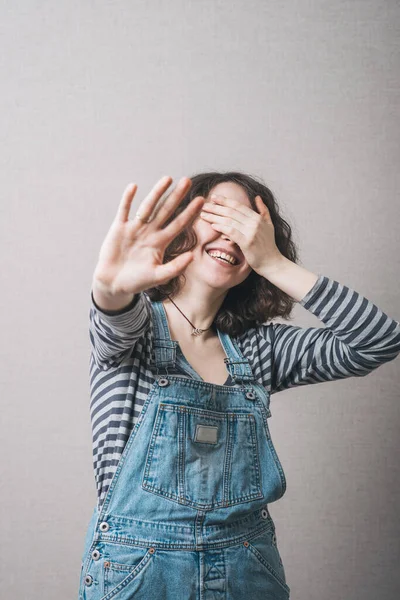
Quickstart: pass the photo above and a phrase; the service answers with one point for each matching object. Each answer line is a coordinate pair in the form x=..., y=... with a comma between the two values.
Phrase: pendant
x=197, y=331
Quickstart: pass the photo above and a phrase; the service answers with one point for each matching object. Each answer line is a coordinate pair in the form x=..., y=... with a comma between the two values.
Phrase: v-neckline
x=193, y=371
x=183, y=357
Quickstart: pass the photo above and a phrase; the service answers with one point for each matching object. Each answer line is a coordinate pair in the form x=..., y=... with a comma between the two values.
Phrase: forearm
x=114, y=328
x=292, y=279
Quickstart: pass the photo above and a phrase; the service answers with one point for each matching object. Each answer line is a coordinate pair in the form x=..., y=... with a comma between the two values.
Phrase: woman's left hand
x=252, y=231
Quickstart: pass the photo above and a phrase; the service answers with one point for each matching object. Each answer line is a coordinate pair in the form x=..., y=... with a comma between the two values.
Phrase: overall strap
x=164, y=347
x=238, y=366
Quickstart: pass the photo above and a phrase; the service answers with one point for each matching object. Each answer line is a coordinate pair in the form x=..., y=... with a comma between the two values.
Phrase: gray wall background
x=97, y=94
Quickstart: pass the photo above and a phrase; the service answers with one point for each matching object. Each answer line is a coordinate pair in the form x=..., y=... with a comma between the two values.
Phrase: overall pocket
x=203, y=458
x=264, y=549
x=121, y=567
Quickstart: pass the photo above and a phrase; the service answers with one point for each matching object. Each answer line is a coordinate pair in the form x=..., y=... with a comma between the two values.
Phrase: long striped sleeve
x=357, y=338
x=113, y=334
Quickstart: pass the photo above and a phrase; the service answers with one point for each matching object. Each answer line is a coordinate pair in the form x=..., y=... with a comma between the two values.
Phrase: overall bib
x=186, y=514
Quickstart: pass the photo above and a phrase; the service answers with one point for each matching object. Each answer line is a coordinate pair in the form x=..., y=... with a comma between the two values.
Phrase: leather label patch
x=206, y=433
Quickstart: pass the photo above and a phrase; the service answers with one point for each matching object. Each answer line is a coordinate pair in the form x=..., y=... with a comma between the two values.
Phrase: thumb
x=262, y=209
x=173, y=268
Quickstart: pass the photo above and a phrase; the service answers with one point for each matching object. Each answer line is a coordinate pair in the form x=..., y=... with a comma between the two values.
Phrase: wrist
x=293, y=279
x=273, y=266
x=108, y=300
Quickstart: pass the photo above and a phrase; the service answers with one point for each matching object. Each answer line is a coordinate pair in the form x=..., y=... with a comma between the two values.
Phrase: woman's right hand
x=131, y=256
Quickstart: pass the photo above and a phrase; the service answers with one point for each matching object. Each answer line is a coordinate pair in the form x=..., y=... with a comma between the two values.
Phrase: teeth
x=224, y=256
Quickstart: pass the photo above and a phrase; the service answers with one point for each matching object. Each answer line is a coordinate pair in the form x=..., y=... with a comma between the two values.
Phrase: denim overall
x=186, y=514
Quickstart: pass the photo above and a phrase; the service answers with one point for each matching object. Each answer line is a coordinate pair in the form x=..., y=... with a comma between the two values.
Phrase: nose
x=226, y=237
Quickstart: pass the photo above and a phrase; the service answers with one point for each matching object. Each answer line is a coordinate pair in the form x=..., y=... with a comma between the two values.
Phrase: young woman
x=182, y=369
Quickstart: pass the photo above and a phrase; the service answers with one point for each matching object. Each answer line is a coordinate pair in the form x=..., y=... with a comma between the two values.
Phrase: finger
x=214, y=197
x=125, y=203
x=182, y=220
x=225, y=219
x=173, y=268
x=147, y=206
x=235, y=232
x=264, y=210
x=222, y=201
x=171, y=203
x=232, y=213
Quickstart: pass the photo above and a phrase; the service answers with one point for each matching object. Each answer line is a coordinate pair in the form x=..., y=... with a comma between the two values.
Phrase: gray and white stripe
x=357, y=338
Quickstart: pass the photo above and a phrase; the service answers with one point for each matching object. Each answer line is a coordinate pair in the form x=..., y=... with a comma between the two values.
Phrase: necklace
x=196, y=330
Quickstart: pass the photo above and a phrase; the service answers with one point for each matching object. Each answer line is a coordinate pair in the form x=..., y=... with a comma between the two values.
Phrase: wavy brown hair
x=255, y=300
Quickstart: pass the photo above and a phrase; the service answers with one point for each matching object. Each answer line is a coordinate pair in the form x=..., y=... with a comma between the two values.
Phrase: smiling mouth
x=222, y=261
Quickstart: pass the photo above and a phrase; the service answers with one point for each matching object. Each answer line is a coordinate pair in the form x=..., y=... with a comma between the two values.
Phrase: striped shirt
x=357, y=338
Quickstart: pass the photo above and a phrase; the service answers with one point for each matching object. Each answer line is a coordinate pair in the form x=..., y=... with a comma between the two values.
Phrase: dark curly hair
x=255, y=300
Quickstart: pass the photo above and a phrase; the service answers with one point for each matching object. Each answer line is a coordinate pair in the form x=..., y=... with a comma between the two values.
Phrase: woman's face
x=213, y=271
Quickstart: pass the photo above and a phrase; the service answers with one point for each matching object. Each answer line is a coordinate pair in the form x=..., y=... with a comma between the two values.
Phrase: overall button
x=104, y=526
x=274, y=538
x=163, y=381
x=95, y=555
x=264, y=513
x=88, y=580
x=250, y=395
